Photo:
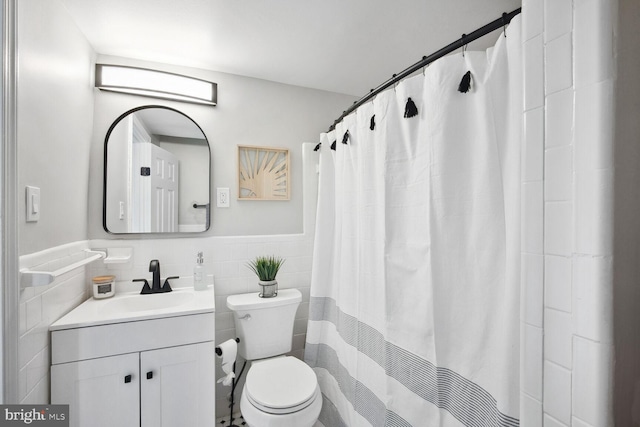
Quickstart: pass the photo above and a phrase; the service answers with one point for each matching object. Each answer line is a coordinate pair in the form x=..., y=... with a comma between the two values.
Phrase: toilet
x=280, y=390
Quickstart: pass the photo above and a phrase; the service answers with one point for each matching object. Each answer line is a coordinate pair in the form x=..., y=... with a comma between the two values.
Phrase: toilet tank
x=264, y=325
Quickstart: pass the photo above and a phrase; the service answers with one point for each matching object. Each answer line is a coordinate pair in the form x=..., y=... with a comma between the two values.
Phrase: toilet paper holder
x=219, y=352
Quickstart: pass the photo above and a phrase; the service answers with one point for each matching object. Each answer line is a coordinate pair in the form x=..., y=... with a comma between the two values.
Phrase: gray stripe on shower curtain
x=329, y=415
x=365, y=402
x=469, y=403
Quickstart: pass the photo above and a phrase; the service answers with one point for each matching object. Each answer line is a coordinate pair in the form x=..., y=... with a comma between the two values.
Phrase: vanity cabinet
x=177, y=386
x=150, y=373
x=96, y=391
x=168, y=387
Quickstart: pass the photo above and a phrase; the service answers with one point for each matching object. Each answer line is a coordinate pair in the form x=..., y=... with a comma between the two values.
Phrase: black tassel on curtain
x=465, y=84
x=410, y=109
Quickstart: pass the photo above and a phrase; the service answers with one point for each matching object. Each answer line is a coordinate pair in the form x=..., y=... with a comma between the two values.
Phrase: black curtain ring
x=504, y=23
x=464, y=44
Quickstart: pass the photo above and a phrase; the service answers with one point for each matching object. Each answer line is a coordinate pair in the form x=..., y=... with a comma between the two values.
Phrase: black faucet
x=154, y=267
x=155, y=288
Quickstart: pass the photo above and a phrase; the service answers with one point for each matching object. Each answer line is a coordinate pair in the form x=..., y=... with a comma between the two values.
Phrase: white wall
x=574, y=276
x=55, y=120
x=249, y=112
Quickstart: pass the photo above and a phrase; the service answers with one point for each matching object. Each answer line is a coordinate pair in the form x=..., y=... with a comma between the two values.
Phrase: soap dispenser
x=199, y=282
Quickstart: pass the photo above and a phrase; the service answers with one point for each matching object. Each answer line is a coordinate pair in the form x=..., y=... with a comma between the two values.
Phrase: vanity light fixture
x=156, y=84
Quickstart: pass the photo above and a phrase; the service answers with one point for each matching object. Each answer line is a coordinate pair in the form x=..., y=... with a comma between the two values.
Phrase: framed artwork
x=263, y=173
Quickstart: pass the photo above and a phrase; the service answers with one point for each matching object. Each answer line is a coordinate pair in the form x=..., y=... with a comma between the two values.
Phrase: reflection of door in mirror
x=154, y=185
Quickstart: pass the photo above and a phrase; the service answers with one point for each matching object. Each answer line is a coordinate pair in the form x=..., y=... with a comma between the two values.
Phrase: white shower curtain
x=414, y=309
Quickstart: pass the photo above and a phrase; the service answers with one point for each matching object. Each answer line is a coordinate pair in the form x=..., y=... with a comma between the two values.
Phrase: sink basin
x=127, y=307
x=132, y=303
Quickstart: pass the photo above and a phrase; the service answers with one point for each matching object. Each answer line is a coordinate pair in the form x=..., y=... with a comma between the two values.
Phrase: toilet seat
x=282, y=385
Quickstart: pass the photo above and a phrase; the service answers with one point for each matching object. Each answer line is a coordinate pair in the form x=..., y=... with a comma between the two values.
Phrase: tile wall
x=567, y=187
x=39, y=308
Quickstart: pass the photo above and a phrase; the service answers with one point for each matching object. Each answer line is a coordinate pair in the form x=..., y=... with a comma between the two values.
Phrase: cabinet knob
x=127, y=379
x=149, y=375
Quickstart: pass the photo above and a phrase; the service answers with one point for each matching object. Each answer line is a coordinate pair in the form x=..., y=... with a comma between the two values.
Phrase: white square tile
x=559, y=119
x=558, y=174
x=558, y=18
x=594, y=212
x=532, y=217
x=33, y=312
x=594, y=46
x=22, y=383
x=39, y=394
x=224, y=321
x=532, y=359
x=533, y=73
x=552, y=422
x=594, y=127
x=31, y=343
x=593, y=297
x=577, y=422
x=230, y=285
x=558, y=64
x=533, y=18
x=38, y=368
x=532, y=280
x=591, y=386
x=558, y=228
x=239, y=252
x=232, y=269
x=530, y=411
x=557, y=392
x=557, y=282
x=22, y=319
x=557, y=337
x=534, y=145
x=221, y=251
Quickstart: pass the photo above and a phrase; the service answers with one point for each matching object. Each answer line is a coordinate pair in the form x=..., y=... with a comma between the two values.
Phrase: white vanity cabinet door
x=101, y=392
x=177, y=386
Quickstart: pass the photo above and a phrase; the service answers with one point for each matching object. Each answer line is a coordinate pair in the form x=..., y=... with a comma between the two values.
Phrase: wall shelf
x=32, y=278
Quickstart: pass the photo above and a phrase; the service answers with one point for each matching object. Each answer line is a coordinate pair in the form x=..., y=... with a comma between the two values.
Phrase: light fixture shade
x=156, y=84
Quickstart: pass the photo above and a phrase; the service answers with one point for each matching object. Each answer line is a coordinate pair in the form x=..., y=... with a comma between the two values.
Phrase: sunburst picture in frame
x=263, y=173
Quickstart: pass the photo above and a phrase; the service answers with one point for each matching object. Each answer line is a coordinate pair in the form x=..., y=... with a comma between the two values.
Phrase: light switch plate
x=223, y=197
x=33, y=203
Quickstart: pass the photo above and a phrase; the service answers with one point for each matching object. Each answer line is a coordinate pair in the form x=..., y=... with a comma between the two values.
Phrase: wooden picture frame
x=263, y=173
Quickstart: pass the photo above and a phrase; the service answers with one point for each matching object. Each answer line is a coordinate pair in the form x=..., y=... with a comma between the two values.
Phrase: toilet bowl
x=280, y=391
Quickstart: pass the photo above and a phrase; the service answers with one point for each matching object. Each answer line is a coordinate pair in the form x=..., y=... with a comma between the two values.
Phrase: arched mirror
x=156, y=174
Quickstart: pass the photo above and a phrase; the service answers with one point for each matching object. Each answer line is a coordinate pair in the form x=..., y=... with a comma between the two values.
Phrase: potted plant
x=266, y=268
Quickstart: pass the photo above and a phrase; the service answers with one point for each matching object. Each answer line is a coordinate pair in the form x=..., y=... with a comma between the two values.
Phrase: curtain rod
x=426, y=60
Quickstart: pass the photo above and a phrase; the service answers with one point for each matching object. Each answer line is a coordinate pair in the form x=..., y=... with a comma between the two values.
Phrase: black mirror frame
x=104, y=183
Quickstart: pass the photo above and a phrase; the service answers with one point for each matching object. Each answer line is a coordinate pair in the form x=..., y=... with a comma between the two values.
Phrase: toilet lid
x=281, y=383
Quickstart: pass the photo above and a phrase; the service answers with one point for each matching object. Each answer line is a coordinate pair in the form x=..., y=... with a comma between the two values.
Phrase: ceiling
x=335, y=45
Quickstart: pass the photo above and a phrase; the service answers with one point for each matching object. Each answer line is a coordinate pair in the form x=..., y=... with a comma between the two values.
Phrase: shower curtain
x=414, y=307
